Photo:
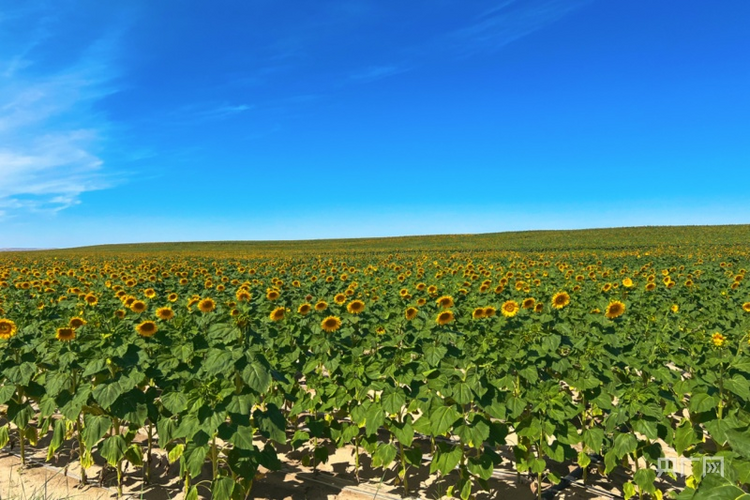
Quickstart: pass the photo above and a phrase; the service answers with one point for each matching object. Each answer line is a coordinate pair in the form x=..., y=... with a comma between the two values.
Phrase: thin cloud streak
x=50, y=132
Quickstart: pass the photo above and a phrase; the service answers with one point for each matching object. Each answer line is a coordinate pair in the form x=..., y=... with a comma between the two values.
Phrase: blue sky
x=227, y=120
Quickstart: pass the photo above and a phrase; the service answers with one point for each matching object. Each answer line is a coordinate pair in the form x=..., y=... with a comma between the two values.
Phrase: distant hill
x=675, y=238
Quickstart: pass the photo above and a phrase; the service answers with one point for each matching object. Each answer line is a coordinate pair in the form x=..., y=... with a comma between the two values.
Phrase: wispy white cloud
x=509, y=21
x=50, y=131
x=373, y=73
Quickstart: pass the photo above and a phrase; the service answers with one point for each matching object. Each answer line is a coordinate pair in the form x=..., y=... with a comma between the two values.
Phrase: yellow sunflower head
x=509, y=308
x=91, y=299
x=65, y=334
x=331, y=324
x=7, y=329
x=560, y=300
x=615, y=309
x=489, y=311
x=355, y=307
x=321, y=305
x=528, y=303
x=305, y=308
x=340, y=298
x=627, y=283
x=272, y=294
x=165, y=313
x=746, y=307
x=207, y=305
x=675, y=308
x=277, y=314
x=718, y=339
x=147, y=329
x=444, y=318
x=411, y=313
x=478, y=313
x=172, y=297
x=76, y=322
x=445, y=301
x=138, y=306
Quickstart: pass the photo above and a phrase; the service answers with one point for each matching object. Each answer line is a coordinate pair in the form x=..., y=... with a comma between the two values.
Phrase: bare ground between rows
x=334, y=480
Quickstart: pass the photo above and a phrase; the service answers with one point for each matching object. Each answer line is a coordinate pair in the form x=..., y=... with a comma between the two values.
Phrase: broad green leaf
x=113, y=449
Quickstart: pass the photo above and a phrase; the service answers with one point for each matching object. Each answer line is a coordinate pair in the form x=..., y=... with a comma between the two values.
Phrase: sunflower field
x=603, y=358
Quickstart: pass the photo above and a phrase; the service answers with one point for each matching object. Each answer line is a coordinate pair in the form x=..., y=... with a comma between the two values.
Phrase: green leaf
x=94, y=429
x=593, y=438
x=481, y=466
x=684, y=436
x=740, y=442
x=446, y=458
x=222, y=488
x=58, y=437
x=374, y=419
x=175, y=402
x=442, y=419
x=218, y=362
x=113, y=449
x=645, y=478
x=107, y=393
x=4, y=436
x=404, y=433
x=257, y=377
x=624, y=444
x=192, y=459
x=19, y=414
x=6, y=392
x=134, y=455
x=462, y=393
x=272, y=423
x=175, y=453
x=393, y=400
x=701, y=402
x=384, y=455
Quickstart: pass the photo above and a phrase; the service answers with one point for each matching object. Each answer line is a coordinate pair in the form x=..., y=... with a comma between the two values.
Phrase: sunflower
x=421, y=301
x=65, y=334
x=321, y=305
x=165, y=313
x=509, y=308
x=192, y=302
x=560, y=300
x=478, y=313
x=650, y=286
x=746, y=307
x=627, y=283
x=355, y=306
x=615, y=309
x=207, y=305
x=76, y=322
x=539, y=307
x=607, y=287
x=91, y=299
x=411, y=313
x=147, y=329
x=305, y=308
x=432, y=290
x=150, y=293
x=7, y=329
x=243, y=295
x=528, y=303
x=138, y=306
x=172, y=297
x=444, y=318
x=718, y=339
x=489, y=311
x=675, y=308
x=340, y=298
x=277, y=314
x=272, y=294
x=380, y=330
x=445, y=301
x=120, y=313
x=331, y=324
